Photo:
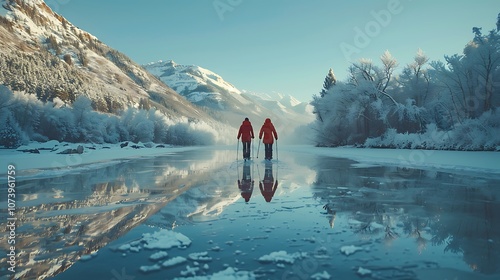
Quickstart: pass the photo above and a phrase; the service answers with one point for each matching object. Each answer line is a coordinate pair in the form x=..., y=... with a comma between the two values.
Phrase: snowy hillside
x=230, y=104
x=42, y=53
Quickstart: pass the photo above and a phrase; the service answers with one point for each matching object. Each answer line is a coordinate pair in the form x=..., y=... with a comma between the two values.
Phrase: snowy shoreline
x=49, y=162
x=472, y=161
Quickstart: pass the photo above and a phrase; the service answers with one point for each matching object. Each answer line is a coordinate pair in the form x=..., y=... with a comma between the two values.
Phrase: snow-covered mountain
x=44, y=54
x=198, y=85
x=228, y=103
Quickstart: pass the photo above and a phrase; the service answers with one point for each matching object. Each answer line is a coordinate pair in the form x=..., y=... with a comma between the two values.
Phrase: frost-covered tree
x=139, y=126
x=328, y=84
x=390, y=64
x=11, y=135
x=472, y=77
x=366, y=106
x=23, y=117
x=415, y=80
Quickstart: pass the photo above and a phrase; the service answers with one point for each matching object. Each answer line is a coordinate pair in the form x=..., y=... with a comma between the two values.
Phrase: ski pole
x=237, y=147
x=277, y=155
x=258, y=147
x=258, y=171
x=253, y=152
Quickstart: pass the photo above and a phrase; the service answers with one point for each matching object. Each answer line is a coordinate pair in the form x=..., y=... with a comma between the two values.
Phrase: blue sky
x=283, y=46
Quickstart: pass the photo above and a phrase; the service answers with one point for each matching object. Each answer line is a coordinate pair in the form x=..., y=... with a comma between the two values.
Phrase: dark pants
x=269, y=151
x=246, y=149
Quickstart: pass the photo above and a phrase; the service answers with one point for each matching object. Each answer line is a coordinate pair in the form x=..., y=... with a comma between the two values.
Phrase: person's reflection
x=266, y=185
x=246, y=183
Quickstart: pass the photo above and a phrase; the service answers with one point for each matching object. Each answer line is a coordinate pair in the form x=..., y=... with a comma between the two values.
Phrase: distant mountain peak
x=188, y=78
x=289, y=100
x=206, y=88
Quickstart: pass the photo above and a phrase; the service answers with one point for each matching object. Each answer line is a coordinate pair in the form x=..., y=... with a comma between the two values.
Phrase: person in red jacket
x=270, y=134
x=246, y=134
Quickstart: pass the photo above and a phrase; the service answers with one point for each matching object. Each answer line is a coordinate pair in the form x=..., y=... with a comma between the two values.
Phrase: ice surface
x=257, y=239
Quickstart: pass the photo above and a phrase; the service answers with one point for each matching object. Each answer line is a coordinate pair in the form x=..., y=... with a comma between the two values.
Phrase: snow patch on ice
x=227, y=274
x=375, y=225
x=85, y=257
x=158, y=256
x=363, y=271
x=174, y=261
x=149, y=268
x=202, y=256
x=349, y=250
x=281, y=257
x=164, y=239
x=190, y=271
x=321, y=275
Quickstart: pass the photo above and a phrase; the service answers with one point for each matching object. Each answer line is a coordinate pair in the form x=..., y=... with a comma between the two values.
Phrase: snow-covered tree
x=472, y=78
x=415, y=80
x=138, y=125
x=330, y=81
x=11, y=135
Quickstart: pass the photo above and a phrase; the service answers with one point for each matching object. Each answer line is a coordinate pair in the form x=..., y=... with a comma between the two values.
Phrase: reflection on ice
x=432, y=208
x=60, y=219
x=246, y=183
x=268, y=184
x=311, y=217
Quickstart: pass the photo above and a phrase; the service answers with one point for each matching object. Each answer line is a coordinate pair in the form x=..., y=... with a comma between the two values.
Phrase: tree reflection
x=434, y=208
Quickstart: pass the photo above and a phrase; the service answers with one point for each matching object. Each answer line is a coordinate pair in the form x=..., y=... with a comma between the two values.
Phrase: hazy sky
x=284, y=46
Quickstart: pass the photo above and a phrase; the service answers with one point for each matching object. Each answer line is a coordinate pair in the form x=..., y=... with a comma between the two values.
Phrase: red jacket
x=246, y=132
x=268, y=130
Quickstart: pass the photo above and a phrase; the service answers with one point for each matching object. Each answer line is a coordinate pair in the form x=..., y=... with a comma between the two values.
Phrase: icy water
x=203, y=214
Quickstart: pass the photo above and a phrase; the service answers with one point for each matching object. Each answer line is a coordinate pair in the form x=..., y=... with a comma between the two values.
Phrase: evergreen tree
x=330, y=81
x=498, y=23
x=11, y=135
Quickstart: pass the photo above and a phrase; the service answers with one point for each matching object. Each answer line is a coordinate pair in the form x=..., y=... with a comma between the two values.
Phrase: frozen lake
x=314, y=217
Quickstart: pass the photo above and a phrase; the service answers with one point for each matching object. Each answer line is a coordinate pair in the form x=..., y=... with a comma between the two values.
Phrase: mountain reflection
x=61, y=219
x=433, y=208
